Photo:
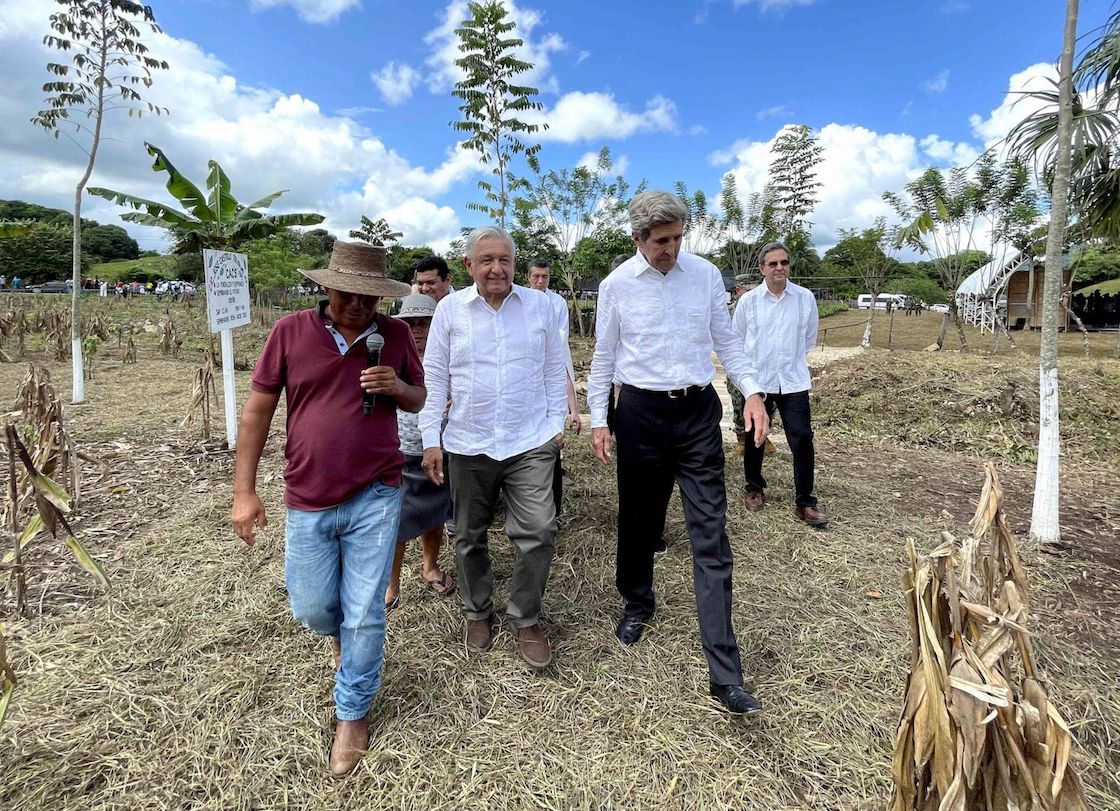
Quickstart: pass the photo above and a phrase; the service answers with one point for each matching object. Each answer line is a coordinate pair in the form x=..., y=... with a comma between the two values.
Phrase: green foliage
x=273, y=265
x=145, y=269
x=919, y=287
x=317, y=242
x=827, y=308
x=39, y=252
x=1095, y=264
x=108, y=63
x=215, y=220
x=377, y=233
x=492, y=100
x=1094, y=190
x=403, y=260
x=592, y=257
x=793, y=177
x=866, y=255
x=105, y=242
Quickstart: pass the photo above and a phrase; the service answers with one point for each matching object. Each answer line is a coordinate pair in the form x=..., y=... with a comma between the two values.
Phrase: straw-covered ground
x=189, y=686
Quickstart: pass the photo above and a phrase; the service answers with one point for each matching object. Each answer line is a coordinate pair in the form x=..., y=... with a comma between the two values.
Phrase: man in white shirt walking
x=660, y=314
x=777, y=322
x=539, y=276
x=494, y=348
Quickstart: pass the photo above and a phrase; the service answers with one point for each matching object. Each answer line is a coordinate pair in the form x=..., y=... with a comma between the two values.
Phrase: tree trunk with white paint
x=1045, y=527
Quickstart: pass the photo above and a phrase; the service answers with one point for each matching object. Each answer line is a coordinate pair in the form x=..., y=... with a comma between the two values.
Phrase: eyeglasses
x=783, y=263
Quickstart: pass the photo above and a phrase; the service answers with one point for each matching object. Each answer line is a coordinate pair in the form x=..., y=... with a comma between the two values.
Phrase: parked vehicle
x=939, y=308
x=52, y=287
x=896, y=300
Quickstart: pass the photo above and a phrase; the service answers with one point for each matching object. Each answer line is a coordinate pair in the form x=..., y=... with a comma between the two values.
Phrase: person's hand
x=247, y=512
x=432, y=465
x=755, y=417
x=573, y=419
x=601, y=444
x=381, y=380
x=560, y=441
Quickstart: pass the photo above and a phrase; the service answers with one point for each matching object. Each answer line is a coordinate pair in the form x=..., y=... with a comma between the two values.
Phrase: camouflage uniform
x=738, y=401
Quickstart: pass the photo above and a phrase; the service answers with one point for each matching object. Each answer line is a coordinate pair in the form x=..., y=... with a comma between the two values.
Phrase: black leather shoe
x=735, y=698
x=630, y=628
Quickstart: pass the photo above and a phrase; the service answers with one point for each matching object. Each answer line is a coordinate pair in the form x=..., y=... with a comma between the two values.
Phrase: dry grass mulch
x=190, y=685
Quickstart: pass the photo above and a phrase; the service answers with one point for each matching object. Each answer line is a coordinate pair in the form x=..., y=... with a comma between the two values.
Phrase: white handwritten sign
x=227, y=289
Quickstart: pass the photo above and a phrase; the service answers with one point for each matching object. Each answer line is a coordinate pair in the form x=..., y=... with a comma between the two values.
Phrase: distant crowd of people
x=1097, y=309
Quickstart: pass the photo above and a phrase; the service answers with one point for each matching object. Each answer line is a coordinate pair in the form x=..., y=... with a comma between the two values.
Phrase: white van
x=897, y=301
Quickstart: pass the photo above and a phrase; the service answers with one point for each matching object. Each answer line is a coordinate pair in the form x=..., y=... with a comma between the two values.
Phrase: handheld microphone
x=374, y=343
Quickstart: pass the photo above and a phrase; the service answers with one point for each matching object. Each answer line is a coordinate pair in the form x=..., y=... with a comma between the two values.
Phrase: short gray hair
x=649, y=209
x=486, y=232
x=774, y=246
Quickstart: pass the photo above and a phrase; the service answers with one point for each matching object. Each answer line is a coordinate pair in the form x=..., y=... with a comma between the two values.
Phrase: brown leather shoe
x=533, y=646
x=351, y=740
x=479, y=638
x=812, y=516
x=754, y=500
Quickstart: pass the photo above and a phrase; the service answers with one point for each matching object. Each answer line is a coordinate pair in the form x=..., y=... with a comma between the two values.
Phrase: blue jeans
x=336, y=568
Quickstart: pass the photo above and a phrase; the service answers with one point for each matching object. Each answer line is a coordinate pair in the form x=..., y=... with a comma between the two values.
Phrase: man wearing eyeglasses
x=778, y=324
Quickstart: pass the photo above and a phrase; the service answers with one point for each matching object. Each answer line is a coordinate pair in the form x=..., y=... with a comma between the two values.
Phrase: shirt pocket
x=698, y=324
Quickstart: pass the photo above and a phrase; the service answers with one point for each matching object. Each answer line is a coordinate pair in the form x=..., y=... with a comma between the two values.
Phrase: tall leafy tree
x=109, y=64
x=377, y=233
x=563, y=208
x=793, y=177
x=213, y=220
x=1044, y=515
x=868, y=254
x=492, y=100
x=945, y=217
x=1094, y=186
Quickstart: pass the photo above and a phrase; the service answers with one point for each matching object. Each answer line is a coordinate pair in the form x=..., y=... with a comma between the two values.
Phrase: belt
x=671, y=394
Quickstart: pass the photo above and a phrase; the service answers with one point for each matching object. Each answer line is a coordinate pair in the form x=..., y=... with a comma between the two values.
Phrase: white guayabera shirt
x=777, y=333
x=503, y=370
x=656, y=331
x=561, y=307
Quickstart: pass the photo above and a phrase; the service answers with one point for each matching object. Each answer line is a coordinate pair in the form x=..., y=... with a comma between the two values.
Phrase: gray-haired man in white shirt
x=777, y=322
x=494, y=348
x=659, y=316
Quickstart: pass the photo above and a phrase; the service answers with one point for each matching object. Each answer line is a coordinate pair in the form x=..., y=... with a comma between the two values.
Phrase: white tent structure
x=980, y=296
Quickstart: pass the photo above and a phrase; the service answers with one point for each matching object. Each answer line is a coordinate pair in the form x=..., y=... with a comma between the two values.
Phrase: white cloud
x=773, y=5
x=583, y=55
x=1016, y=105
x=580, y=116
x=264, y=138
x=777, y=111
x=312, y=11
x=857, y=166
x=938, y=85
x=697, y=129
x=395, y=82
x=949, y=152
x=536, y=48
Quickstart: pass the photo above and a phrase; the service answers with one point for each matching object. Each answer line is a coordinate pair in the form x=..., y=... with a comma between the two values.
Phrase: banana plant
x=213, y=220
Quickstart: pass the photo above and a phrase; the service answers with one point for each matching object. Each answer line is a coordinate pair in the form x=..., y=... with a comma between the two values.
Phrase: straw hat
x=358, y=268
x=417, y=306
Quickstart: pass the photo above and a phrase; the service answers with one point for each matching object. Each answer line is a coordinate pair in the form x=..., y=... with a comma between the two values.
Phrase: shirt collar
x=328, y=324
x=644, y=265
x=472, y=294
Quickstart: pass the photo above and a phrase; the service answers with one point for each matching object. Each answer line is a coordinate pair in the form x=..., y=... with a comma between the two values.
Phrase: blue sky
x=346, y=103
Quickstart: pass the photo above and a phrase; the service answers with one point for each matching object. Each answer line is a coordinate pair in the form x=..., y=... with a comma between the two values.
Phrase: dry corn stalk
x=974, y=735
x=204, y=392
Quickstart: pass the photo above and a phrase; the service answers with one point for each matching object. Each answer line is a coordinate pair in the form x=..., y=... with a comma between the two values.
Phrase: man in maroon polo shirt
x=342, y=480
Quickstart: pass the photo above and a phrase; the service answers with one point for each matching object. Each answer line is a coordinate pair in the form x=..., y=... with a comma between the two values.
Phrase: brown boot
x=813, y=516
x=754, y=500
x=533, y=646
x=351, y=740
x=479, y=638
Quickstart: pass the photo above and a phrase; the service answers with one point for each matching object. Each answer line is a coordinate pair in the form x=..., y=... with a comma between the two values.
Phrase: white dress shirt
x=503, y=370
x=777, y=333
x=561, y=307
x=656, y=331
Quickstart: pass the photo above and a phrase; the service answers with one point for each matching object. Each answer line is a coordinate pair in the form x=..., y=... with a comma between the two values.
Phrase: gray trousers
x=526, y=482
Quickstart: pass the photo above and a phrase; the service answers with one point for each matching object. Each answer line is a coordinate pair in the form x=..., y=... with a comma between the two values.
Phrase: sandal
x=391, y=604
x=442, y=586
